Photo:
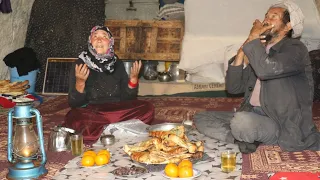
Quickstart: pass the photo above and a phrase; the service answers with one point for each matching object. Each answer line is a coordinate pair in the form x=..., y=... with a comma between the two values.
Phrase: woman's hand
x=135, y=69
x=82, y=73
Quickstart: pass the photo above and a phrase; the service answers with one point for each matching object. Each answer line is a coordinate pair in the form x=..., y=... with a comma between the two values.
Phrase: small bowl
x=150, y=76
x=164, y=77
x=107, y=139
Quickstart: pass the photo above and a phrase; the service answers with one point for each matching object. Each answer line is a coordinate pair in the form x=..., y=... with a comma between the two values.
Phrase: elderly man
x=273, y=69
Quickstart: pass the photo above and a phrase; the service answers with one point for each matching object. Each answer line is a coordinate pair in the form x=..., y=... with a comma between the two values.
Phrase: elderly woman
x=100, y=91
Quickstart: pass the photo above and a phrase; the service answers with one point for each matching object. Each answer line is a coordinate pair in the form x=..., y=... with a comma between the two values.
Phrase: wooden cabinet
x=147, y=39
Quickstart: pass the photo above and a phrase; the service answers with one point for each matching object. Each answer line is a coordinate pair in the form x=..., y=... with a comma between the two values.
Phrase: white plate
x=91, y=167
x=196, y=173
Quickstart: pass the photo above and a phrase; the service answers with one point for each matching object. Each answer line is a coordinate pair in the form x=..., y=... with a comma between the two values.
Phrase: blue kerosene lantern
x=26, y=151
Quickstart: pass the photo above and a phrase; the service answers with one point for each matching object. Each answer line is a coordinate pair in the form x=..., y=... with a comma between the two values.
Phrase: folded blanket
x=171, y=11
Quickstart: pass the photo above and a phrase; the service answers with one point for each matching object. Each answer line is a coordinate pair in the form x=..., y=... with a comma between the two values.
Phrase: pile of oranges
x=182, y=170
x=91, y=158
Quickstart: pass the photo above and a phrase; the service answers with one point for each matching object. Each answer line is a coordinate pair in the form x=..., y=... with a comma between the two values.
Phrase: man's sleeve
x=234, y=78
x=288, y=62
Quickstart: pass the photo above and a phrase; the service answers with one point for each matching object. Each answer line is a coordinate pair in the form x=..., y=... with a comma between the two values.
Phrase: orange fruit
x=87, y=161
x=101, y=159
x=89, y=153
x=105, y=152
x=185, y=172
x=185, y=162
x=171, y=170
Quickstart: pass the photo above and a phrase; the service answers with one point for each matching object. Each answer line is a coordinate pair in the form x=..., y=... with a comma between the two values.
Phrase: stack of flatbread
x=14, y=88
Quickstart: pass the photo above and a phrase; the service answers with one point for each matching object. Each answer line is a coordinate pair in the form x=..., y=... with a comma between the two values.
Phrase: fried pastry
x=165, y=147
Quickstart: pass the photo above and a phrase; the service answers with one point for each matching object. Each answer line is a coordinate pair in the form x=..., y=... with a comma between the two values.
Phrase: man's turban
x=296, y=16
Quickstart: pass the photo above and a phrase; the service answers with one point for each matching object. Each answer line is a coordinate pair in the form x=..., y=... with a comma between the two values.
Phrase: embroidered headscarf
x=99, y=62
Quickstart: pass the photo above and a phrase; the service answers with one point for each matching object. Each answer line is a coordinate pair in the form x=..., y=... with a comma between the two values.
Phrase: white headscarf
x=296, y=16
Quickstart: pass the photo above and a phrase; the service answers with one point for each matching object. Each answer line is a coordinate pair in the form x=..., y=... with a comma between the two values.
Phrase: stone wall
x=13, y=30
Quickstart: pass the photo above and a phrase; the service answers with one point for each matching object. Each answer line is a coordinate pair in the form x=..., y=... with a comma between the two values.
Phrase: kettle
x=59, y=139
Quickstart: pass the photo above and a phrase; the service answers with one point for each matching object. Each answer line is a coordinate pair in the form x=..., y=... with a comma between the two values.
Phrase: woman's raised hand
x=82, y=73
x=135, y=69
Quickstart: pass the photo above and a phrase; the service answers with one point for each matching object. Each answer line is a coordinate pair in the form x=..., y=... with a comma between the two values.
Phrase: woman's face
x=100, y=41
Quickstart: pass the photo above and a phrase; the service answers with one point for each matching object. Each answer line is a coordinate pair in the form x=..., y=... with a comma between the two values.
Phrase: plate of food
x=129, y=172
x=196, y=173
x=165, y=146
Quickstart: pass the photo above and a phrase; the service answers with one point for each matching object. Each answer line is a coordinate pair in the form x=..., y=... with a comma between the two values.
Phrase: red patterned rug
x=173, y=109
x=167, y=109
x=270, y=159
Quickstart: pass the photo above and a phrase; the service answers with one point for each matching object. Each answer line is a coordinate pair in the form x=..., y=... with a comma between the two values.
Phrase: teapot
x=59, y=139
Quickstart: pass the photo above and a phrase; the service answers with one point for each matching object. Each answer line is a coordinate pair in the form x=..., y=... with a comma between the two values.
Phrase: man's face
x=274, y=17
x=100, y=41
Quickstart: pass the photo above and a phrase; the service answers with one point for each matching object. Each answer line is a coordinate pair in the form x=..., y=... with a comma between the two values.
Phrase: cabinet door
x=126, y=35
x=147, y=40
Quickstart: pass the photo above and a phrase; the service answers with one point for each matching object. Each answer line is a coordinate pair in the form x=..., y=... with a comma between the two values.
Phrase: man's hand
x=258, y=29
x=241, y=58
x=135, y=69
x=82, y=73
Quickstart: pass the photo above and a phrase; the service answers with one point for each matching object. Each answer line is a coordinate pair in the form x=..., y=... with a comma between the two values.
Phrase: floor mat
x=173, y=109
x=167, y=109
x=270, y=159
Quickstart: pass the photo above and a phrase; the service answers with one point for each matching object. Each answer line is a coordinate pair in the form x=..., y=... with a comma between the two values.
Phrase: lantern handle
x=40, y=134
x=10, y=124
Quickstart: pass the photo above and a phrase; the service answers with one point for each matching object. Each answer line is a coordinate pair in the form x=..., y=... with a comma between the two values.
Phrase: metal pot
x=176, y=73
x=164, y=77
x=150, y=70
x=59, y=139
x=127, y=66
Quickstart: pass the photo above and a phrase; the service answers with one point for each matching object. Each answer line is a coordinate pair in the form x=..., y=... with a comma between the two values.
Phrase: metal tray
x=163, y=126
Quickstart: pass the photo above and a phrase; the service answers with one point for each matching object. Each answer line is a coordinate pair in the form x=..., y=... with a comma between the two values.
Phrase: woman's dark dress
x=108, y=99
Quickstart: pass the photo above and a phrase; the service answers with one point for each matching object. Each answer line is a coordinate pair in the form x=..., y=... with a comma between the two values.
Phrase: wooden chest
x=147, y=39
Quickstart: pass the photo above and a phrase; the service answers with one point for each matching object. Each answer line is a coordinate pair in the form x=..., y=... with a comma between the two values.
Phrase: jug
x=59, y=139
x=150, y=70
x=176, y=73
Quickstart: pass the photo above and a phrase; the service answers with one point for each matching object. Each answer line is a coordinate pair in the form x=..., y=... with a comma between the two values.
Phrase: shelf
x=155, y=87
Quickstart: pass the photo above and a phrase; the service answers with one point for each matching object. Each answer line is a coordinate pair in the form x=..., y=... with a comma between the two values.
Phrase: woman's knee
x=147, y=111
